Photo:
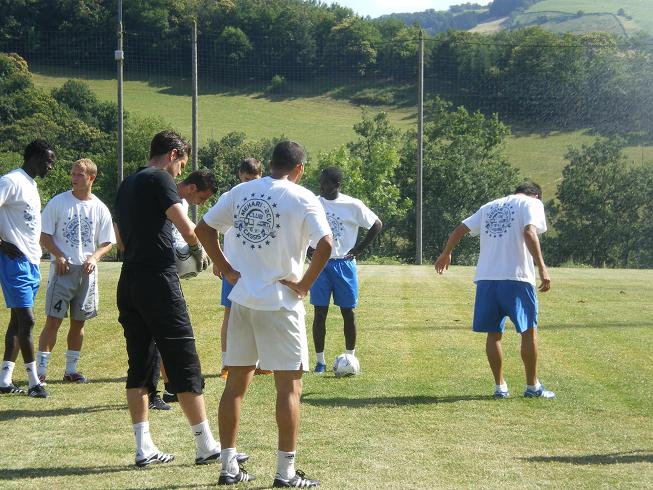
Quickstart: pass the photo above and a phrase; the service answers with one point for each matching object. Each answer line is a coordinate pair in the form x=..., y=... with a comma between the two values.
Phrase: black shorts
x=153, y=314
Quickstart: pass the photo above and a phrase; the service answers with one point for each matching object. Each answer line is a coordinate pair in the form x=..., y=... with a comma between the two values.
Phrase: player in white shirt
x=340, y=277
x=505, y=277
x=275, y=219
x=77, y=230
x=20, y=255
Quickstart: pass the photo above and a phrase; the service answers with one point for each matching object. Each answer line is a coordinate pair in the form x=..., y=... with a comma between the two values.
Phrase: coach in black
x=151, y=306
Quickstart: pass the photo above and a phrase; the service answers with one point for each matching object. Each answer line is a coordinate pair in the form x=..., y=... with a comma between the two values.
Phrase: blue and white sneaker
x=501, y=394
x=319, y=368
x=541, y=393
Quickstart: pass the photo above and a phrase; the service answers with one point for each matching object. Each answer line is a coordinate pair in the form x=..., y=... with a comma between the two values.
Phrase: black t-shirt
x=141, y=204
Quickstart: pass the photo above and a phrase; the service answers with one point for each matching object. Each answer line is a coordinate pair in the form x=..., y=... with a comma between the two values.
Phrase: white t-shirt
x=501, y=223
x=178, y=240
x=20, y=213
x=77, y=227
x=345, y=215
x=274, y=220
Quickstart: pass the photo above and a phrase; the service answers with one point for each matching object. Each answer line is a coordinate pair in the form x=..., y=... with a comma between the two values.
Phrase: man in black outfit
x=151, y=306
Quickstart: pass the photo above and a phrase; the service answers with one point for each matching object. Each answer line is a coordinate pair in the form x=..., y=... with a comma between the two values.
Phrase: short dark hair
x=250, y=166
x=287, y=155
x=334, y=174
x=37, y=148
x=529, y=188
x=203, y=180
x=166, y=141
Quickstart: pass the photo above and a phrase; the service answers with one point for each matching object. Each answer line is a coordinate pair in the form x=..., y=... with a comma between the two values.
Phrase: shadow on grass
x=90, y=381
x=589, y=459
x=21, y=473
x=199, y=485
x=387, y=401
x=8, y=415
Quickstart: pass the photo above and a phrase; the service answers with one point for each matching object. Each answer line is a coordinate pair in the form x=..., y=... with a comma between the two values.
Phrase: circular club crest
x=256, y=221
x=498, y=220
x=77, y=231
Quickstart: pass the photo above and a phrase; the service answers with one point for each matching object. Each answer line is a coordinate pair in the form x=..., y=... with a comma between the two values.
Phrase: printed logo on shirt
x=256, y=220
x=335, y=223
x=499, y=219
x=30, y=217
x=76, y=229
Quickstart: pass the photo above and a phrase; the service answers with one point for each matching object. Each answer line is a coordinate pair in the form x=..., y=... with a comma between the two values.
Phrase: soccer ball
x=187, y=266
x=346, y=365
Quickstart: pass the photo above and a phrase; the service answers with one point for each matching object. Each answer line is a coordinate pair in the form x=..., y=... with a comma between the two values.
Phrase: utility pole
x=119, y=56
x=420, y=150
x=194, y=82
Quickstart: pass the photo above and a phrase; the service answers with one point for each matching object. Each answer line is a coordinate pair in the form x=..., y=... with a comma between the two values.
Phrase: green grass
x=419, y=416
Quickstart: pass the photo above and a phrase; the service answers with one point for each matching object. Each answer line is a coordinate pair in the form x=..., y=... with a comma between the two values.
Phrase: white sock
x=205, y=444
x=6, y=373
x=224, y=359
x=320, y=357
x=229, y=462
x=503, y=387
x=286, y=464
x=72, y=356
x=32, y=377
x=144, y=445
x=535, y=387
x=42, y=360
x=352, y=352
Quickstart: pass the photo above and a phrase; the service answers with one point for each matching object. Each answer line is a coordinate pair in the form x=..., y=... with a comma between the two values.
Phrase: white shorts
x=276, y=339
x=74, y=290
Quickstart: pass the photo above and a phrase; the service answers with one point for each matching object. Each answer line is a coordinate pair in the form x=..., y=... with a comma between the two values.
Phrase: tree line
x=600, y=214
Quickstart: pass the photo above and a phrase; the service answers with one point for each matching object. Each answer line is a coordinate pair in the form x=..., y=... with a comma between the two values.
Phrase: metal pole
x=194, y=82
x=119, y=57
x=420, y=149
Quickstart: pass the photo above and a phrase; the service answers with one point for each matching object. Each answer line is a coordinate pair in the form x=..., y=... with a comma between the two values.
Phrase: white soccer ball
x=187, y=266
x=346, y=365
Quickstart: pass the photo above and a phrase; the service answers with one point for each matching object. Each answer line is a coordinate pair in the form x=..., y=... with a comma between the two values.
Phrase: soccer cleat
x=215, y=458
x=224, y=373
x=241, y=477
x=12, y=389
x=501, y=394
x=37, y=391
x=297, y=481
x=169, y=397
x=541, y=393
x=74, y=378
x=319, y=368
x=156, y=403
x=157, y=457
x=258, y=371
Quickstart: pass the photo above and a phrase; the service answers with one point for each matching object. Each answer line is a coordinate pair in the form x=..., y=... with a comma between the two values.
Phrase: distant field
x=320, y=123
x=421, y=416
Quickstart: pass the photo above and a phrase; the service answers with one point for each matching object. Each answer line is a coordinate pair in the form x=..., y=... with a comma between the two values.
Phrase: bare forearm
x=48, y=242
x=533, y=245
x=102, y=250
x=208, y=237
x=456, y=235
x=370, y=236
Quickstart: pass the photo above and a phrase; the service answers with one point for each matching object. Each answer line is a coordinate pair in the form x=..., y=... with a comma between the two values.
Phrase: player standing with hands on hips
x=340, y=276
x=505, y=277
x=20, y=256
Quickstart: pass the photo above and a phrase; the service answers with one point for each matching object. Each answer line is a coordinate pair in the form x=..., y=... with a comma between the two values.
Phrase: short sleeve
x=474, y=222
x=6, y=189
x=366, y=217
x=316, y=221
x=49, y=217
x=533, y=214
x=106, y=233
x=221, y=216
x=166, y=191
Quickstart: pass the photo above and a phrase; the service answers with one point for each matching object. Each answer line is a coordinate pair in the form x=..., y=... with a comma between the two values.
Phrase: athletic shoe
x=157, y=457
x=297, y=481
x=215, y=458
x=320, y=368
x=74, y=378
x=12, y=389
x=224, y=373
x=240, y=477
x=501, y=394
x=37, y=391
x=169, y=397
x=541, y=393
x=157, y=404
x=258, y=371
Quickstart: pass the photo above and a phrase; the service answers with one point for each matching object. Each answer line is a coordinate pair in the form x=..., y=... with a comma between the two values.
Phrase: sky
x=375, y=8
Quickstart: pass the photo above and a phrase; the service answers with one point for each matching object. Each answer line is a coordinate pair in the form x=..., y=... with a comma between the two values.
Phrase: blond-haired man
x=77, y=230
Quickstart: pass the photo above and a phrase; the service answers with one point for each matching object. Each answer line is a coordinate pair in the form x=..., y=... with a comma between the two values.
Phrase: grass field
x=420, y=416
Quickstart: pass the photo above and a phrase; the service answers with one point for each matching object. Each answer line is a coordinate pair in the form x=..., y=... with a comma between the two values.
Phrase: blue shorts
x=20, y=281
x=339, y=277
x=497, y=300
x=226, y=289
